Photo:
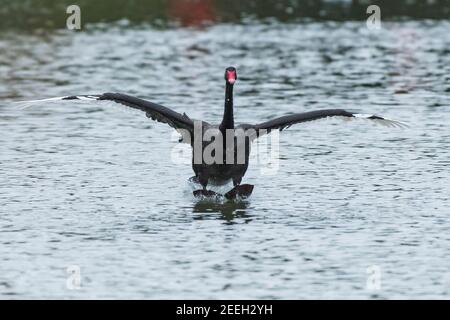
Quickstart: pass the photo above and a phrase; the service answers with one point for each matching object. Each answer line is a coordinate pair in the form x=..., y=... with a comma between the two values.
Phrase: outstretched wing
x=152, y=110
x=289, y=120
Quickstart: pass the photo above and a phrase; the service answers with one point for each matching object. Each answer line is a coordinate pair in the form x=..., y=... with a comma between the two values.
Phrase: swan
x=234, y=165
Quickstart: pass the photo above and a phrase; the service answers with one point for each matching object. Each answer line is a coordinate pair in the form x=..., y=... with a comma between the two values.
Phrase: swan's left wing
x=152, y=110
x=289, y=120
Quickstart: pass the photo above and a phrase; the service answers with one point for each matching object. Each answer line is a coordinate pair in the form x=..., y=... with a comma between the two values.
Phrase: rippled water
x=94, y=187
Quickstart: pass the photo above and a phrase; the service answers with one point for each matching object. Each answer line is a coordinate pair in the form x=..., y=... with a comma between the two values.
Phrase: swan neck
x=228, y=117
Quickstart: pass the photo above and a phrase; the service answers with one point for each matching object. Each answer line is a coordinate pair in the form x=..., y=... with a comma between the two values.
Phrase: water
x=94, y=187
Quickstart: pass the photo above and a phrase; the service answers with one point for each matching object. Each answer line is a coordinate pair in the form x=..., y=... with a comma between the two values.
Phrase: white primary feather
x=79, y=99
x=30, y=103
x=384, y=122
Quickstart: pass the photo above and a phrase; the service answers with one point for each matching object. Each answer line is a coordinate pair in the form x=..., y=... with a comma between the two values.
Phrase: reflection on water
x=228, y=210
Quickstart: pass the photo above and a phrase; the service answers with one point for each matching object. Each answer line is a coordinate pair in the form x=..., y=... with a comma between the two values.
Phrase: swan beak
x=230, y=75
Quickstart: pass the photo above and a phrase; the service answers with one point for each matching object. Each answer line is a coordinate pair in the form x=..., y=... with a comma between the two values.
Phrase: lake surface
x=93, y=188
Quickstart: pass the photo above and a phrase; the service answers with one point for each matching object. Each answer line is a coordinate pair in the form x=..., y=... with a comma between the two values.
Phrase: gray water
x=93, y=187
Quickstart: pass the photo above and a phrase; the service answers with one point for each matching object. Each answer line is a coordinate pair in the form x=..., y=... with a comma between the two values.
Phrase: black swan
x=230, y=169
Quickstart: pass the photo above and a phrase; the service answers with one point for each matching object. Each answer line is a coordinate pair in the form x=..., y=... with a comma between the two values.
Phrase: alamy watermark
x=73, y=22
x=373, y=282
x=73, y=281
x=374, y=21
x=212, y=146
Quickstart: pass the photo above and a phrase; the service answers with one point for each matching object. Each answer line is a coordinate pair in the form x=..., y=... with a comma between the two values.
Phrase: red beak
x=231, y=77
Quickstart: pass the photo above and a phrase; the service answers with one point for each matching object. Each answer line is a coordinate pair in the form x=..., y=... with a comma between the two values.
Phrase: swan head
x=230, y=75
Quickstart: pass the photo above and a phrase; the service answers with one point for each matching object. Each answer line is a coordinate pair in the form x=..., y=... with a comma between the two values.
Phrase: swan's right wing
x=285, y=122
x=152, y=110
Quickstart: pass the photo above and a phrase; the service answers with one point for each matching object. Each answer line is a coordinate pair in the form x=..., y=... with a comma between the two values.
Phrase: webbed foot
x=243, y=191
